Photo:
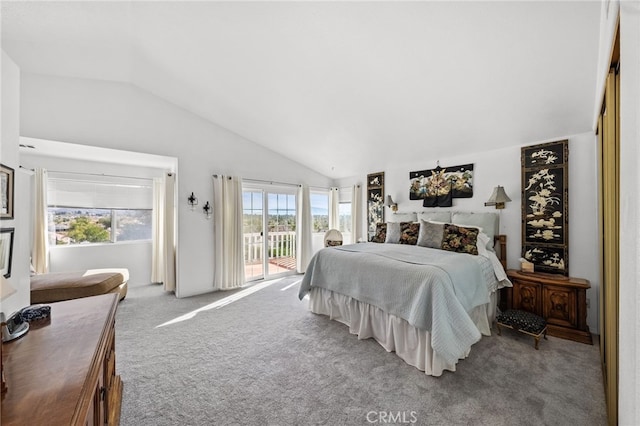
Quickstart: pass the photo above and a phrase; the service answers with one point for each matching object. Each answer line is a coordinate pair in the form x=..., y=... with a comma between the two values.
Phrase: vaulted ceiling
x=342, y=87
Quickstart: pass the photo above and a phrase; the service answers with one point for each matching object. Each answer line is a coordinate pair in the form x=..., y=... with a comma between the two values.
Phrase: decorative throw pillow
x=409, y=233
x=460, y=239
x=393, y=233
x=430, y=234
x=381, y=233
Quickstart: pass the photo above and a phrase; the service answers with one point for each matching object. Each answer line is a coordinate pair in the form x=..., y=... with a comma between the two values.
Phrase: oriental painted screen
x=545, y=206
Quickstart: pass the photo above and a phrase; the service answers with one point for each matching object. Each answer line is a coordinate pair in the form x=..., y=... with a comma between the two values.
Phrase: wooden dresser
x=62, y=372
x=561, y=301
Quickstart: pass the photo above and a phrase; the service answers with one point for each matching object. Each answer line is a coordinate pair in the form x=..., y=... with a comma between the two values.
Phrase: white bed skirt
x=393, y=333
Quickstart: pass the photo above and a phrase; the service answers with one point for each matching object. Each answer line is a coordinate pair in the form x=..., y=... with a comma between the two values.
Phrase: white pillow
x=439, y=216
x=481, y=243
x=393, y=233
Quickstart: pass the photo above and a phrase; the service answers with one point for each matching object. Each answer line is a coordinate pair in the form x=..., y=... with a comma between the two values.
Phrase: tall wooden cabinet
x=63, y=372
x=561, y=301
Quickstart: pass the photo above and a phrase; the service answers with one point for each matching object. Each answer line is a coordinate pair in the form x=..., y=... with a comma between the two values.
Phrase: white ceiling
x=345, y=88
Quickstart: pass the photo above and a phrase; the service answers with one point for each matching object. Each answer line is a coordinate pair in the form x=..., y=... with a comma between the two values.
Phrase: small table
x=524, y=322
x=560, y=300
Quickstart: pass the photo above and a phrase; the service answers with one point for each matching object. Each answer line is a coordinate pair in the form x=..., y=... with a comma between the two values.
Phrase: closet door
x=608, y=137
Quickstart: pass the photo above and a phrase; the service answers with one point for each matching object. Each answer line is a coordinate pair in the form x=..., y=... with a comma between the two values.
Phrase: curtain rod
x=270, y=182
x=101, y=174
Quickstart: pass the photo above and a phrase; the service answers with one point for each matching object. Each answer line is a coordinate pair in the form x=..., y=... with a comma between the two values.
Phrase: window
x=344, y=214
x=320, y=211
x=85, y=209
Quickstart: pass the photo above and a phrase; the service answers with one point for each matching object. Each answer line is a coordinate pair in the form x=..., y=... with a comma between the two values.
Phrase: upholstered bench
x=58, y=286
x=524, y=322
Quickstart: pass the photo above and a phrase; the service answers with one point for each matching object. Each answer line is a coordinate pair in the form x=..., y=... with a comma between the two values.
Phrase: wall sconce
x=193, y=201
x=391, y=204
x=207, y=210
x=498, y=198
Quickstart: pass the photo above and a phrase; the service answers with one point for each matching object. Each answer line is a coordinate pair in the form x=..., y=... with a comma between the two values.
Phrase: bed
x=58, y=286
x=426, y=303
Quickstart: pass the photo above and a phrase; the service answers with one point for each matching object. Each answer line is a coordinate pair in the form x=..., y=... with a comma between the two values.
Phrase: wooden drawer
x=527, y=296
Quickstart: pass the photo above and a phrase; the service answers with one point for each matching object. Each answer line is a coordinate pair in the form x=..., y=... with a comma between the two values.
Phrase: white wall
x=502, y=167
x=121, y=116
x=19, y=279
x=135, y=256
x=629, y=314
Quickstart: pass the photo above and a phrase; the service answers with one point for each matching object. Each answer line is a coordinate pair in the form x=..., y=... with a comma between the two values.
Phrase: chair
x=332, y=238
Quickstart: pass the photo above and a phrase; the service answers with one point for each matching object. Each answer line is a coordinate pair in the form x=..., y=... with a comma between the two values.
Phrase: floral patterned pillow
x=381, y=233
x=409, y=233
x=460, y=239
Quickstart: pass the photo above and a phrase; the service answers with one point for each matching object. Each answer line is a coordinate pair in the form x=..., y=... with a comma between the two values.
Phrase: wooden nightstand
x=561, y=301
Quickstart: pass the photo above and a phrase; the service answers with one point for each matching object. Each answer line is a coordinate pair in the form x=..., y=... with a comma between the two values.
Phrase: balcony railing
x=279, y=245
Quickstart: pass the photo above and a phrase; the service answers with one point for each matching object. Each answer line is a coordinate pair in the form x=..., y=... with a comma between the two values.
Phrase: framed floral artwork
x=545, y=206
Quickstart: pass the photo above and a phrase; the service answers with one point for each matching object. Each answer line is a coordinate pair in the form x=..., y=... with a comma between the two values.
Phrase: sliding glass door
x=281, y=232
x=269, y=232
x=253, y=230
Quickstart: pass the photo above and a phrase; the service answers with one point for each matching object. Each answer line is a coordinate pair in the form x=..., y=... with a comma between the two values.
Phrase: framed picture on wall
x=455, y=182
x=375, y=201
x=6, y=251
x=545, y=206
x=6, y=192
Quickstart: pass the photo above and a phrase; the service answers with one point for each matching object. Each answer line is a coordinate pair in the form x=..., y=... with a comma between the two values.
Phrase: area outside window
x=95, y=209
x=76, y=225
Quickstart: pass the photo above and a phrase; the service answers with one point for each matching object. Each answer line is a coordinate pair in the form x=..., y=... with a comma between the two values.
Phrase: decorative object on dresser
x=375, y=202
x=76, y=349
x=560, y=300
x=545, y=206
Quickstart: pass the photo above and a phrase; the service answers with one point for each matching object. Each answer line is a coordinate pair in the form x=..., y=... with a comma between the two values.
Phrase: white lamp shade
x=498, y=197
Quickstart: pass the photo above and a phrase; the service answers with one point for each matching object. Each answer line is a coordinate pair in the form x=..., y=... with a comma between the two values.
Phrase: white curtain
x=356, y=213
x=40, y=251
x=334, y=215
x=163, y=263
x=228, y=257
x=303, y=229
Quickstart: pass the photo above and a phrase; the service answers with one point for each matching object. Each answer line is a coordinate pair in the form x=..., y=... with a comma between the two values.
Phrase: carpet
x=257, y=356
